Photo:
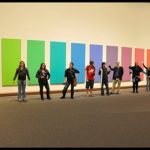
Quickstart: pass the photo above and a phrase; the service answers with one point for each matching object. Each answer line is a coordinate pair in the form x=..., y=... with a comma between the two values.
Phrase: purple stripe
x=111, y=58
x=96, y=55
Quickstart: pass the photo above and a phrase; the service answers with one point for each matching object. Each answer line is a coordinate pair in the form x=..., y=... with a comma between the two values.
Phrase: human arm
x=15, y=76
x=28, y=75
x=145, y=66
x=112, y=69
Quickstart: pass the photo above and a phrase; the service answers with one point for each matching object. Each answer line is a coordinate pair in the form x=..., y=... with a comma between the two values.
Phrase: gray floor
x=110, y=121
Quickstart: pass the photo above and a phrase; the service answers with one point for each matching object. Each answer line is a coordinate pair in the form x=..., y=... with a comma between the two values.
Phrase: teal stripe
x=57, y=62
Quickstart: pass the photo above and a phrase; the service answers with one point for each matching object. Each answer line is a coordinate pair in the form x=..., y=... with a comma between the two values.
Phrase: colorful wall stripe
x=78, y=58
x=111, y=58
x=11, y=56
x=35, y=56
x=11, y=50
x=57, y=62
x=139, y=57
x=96, y=54
x=126, y=61
x=148, y=57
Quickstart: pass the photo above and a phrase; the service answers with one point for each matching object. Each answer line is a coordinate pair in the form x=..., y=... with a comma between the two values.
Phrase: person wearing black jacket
x=148, y=77
x=70, y=75
x=103, y=72
x=135, y=76
x=43, y=76
x=22, y=72
x=117, y=77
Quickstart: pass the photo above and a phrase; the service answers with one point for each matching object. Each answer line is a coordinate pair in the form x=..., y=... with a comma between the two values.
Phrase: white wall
x=118, y=24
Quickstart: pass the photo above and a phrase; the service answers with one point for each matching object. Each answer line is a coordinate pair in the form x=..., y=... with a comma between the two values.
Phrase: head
x=103, y=65
x=136, y=63
x=71, y=65
x=22, y=64
x=117, y=64
x=91, y=62
x=43, y=66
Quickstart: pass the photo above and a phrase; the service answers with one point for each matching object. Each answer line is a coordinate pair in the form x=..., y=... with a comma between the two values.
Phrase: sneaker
x=62, y=97
x=49, y=98
x=25, y=99
x=19, y=100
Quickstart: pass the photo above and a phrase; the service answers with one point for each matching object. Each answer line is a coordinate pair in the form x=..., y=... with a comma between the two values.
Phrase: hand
x=46, y=78
x=109, y=66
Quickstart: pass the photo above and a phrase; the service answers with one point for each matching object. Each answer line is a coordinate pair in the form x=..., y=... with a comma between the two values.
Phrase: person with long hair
x=22, y=72
x=103, y=72
x=43, y=76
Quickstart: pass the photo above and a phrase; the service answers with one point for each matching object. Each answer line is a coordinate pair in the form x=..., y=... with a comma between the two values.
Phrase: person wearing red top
x=90, y=76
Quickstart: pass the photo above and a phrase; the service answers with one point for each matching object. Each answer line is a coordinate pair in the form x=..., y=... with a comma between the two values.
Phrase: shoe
x=117, y=93
x=25, y=100
x=108, y=94
x=42, y=98
x=49, y=98
x=102, y=94
x=62, y=97
x=133, y=92
x=137, y=91
x=111, y=93
x=72, y=97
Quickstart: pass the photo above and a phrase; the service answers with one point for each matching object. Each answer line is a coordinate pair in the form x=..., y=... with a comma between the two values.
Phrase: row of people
x=43, y=75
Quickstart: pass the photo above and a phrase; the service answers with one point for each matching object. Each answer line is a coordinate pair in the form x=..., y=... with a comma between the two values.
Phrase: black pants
x=102, y=87
x=135, y=86
x=67, y=84
x=43, y=83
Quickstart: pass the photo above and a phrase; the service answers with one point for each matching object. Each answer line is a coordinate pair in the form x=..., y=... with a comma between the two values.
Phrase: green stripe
x=35, y=56
x=11, y=56
x=57, y=62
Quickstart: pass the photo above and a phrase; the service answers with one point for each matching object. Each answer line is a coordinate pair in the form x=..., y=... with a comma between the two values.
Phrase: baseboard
x=60, y=91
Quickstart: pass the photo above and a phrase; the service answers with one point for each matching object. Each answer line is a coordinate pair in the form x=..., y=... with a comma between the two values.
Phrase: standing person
x=22, y=72
x=70, y=74
x=90, y=76
x=117, y=77
x=43, y=76
x=103, y=72
x=148, y=77
x=136, y=69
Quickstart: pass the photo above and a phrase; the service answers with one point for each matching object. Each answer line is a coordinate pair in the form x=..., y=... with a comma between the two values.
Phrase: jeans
x=21, y=89
x=67, y=84
x=102, y=87
x=135, y=86
x=43, y=83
